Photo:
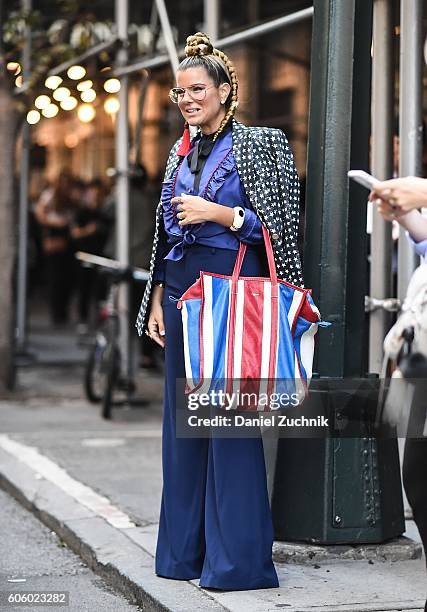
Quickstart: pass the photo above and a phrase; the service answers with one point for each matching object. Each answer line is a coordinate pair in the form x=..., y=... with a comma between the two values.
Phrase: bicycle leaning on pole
x=104, y=371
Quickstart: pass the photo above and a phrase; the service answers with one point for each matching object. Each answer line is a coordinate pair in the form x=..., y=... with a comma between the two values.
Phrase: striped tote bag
x=248, y=339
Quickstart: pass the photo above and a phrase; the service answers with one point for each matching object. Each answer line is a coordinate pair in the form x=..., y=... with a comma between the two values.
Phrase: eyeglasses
x=196, y=92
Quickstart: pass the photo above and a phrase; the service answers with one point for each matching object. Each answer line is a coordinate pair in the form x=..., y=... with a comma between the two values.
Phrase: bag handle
x=270, y=258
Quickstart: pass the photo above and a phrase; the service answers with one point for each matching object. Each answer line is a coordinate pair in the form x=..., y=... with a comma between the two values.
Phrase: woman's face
x=209, y=112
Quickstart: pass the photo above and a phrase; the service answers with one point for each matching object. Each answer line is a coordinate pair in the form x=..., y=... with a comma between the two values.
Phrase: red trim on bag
x=230, y=344
x=194, y=292
x=273, y=348
x=308, y=313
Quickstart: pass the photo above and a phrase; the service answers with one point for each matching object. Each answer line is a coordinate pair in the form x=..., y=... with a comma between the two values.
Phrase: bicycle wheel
x=95, y=371
x=111, y=377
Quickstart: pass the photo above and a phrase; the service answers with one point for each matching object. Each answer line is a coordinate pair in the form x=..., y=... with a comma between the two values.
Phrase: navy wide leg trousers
x=215, y=520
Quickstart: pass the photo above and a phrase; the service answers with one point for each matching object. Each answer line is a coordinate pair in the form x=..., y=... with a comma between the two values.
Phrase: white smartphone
x=362, y=177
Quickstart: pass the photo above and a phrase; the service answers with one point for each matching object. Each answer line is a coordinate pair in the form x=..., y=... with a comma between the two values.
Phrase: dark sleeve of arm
x=288, y=180
x=162, y=249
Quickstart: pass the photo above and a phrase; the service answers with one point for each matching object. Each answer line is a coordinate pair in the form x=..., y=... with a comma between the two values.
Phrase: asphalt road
x=32, y=558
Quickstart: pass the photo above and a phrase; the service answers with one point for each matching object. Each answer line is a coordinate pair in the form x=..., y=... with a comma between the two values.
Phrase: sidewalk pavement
x=98, y=485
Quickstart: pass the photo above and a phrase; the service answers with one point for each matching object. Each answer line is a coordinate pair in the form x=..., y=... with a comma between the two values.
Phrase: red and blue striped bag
x=249, y=337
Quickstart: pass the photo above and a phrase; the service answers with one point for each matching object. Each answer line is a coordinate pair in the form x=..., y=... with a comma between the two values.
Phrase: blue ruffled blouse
x=219, y=183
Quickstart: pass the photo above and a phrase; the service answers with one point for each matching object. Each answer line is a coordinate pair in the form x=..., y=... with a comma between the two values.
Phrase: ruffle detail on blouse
x=218, y=177
x=169, y=211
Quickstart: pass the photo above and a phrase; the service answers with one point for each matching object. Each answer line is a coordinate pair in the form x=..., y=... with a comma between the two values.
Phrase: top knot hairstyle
x=200, y=52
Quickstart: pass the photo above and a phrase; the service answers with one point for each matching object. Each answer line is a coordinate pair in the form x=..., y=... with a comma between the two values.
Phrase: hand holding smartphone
x=363, y=178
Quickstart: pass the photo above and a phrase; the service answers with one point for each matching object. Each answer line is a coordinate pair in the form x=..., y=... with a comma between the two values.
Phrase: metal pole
x=410, y=118
x=211, y=18
x=21, y=298
x=168, y=34
x=92, y=52
x=122, y=179
x=335, y=238
x=382, y=167
x=233, y=39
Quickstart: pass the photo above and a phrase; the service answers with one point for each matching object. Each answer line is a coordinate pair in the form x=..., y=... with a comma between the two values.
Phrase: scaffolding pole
x=211, y=18
x=167, y=34
x=233, y=39
x=21, y=293
x=410, y=118
x=382, y=167
x=122, y=180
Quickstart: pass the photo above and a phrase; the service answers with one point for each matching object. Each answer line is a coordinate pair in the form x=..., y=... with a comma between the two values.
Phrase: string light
x=42, y=102
x=19, y=81
x=112, y=85
x=69, y=103
x=71, y=140
x=88, y=96
x=33, y=117
x=52, y=82
x=86, y=113
x=84, y=85
x=76, y=72
x=50, y=111
x=111, y=105
x=14, y=67
x=61, y=93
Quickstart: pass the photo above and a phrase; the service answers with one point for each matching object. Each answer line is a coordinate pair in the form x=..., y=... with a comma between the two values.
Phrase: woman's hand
x=404, y=194
x=387, y=211
x=155, y=325
x=194, y=209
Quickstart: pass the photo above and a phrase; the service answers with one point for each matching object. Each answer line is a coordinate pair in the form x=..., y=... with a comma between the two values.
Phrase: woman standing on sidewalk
x=219, y=188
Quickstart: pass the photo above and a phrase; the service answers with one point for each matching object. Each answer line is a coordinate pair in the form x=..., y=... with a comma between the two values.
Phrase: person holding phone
x=398, y=200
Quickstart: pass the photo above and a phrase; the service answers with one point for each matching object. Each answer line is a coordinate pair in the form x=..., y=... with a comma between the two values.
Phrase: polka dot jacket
x=266, y=168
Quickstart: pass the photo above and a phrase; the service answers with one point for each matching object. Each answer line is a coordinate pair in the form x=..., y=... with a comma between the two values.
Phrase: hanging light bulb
x=84, y=85
x=76, y=72
x=50, y=111
x=41, y=102
x=19, y=81
x=69, y=103
x=52, y=82
x=61, y=93
x=14, y=67
x=86, y=113
x=112, y=85
x=33, y=117
x=111, y=105
x=71, y=140
x=88, y=96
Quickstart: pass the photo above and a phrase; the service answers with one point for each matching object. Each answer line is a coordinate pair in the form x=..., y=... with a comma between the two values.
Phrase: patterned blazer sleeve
x=288, y=179
x=141, y=319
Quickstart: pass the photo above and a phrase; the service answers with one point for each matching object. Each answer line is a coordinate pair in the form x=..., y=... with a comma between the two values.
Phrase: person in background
x=399, y=199
x=89, y=233
x=54, y=212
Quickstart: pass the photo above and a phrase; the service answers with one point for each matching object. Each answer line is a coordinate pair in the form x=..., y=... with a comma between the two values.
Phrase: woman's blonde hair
x=200, y=52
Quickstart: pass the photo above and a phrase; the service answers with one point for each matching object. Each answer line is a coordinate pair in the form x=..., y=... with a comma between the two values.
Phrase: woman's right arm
x=155, y=325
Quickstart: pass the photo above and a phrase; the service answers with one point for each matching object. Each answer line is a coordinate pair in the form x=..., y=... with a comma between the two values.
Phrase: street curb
x=131, y=570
